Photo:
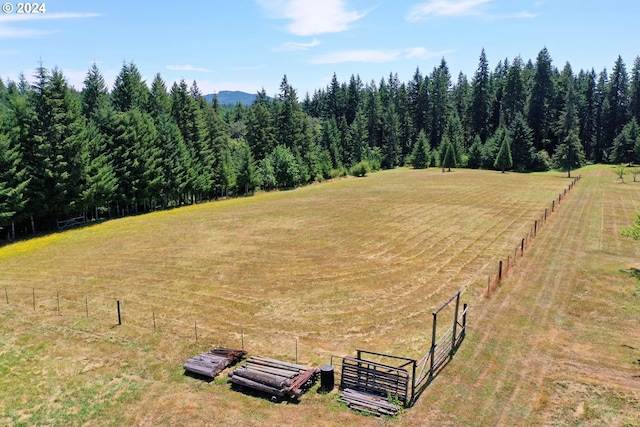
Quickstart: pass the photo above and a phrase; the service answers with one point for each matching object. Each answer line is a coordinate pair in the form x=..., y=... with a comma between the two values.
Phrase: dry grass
x=356, y=263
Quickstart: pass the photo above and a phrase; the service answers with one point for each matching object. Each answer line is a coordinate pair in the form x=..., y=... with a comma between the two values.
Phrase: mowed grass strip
x=354, y=263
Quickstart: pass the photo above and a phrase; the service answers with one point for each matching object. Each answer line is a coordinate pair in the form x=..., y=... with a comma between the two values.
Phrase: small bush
x=360, y=169
x=339, y=172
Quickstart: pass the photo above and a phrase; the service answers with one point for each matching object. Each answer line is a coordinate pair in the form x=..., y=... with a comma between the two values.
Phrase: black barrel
x=326, y=378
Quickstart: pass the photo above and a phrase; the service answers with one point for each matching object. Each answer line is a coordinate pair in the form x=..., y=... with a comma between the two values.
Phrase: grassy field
x=327, y=269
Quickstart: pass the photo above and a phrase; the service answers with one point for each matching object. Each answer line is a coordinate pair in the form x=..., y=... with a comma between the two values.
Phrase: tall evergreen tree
x=618, y=97
x=539, y=117
x=439, y=102
x=624, y=145
x=94, y=92
x=634, y=90
x=129, y=90
x=569, y=155
x=481, y=101
x=522, y=151
x=514, y=97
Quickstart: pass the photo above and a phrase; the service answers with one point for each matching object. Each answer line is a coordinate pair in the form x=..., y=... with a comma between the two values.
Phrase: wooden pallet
x=369, y=403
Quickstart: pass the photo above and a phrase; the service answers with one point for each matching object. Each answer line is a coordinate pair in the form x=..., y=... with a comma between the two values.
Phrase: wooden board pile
x=210, y=364
x=369, y=403
x=277, y=378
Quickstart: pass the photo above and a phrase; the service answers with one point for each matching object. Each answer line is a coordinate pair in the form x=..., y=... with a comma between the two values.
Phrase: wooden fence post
x=119, y=317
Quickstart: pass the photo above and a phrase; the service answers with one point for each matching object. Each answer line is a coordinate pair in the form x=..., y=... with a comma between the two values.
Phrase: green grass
x=352, y=263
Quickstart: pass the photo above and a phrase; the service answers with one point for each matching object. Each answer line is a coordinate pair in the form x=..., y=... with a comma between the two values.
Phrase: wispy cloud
x=187, y=68
x=376, y=55
x=8, y=52
x=297, y=46
x=7, y=32
x=312, y=17
x=452, y=8
x=15, y=17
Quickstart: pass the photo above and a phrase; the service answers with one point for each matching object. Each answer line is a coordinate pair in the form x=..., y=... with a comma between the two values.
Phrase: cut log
x=235, y=379
x=262, y=377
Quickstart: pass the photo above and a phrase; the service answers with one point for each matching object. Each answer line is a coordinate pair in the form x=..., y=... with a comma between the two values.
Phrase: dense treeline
x=140, y=147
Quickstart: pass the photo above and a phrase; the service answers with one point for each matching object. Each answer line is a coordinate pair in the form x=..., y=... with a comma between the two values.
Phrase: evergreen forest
x=99, y=153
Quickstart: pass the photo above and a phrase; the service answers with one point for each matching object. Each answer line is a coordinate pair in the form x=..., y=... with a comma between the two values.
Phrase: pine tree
x=503, y=159
x=539, y=117
x=588, y=112
x=260, y=131
x=421, y=155
x=129, y=90
x=246, y=172
x=634, y=90
x=60, y=124
x=480, y=99
x=514, y=98
x=159, y=103
x=439, y=102
x=475, y=156
x=522, y=151
x=13, y=184
x=94, y=92
x=449, y=158
x=624, y=146
x=570, y=154
x=618, y=97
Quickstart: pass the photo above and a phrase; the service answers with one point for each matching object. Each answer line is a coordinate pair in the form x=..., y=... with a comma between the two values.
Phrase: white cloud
x=15, y=33
x=312, y=17
x=187, y=68
x=376, y=56
x=297, y=46
x=458, y=8
x=14, y=17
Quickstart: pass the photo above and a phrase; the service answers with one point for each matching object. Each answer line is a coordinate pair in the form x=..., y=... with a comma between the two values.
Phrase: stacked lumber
x=274, y=377
x=369, y=403
x=211, y=363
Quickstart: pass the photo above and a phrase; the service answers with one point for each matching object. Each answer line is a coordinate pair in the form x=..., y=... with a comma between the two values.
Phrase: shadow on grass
x=631, y=271
x=247, y=391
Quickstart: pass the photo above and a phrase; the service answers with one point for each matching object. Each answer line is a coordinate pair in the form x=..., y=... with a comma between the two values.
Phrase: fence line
x=493, y=282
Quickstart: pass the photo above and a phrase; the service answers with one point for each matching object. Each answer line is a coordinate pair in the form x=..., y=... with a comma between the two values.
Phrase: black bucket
x=326, y=378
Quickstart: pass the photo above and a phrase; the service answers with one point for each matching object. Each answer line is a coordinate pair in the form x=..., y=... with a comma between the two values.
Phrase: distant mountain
x=232, y=97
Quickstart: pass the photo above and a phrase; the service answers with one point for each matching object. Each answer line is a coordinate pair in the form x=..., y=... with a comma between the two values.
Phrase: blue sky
x=250, y=44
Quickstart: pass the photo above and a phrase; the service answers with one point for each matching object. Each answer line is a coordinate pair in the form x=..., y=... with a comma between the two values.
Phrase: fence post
x=119, y=318
x=433, y=343
x=522, y=248
x=535, y=228
x=500, y=271
x=455, y=325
